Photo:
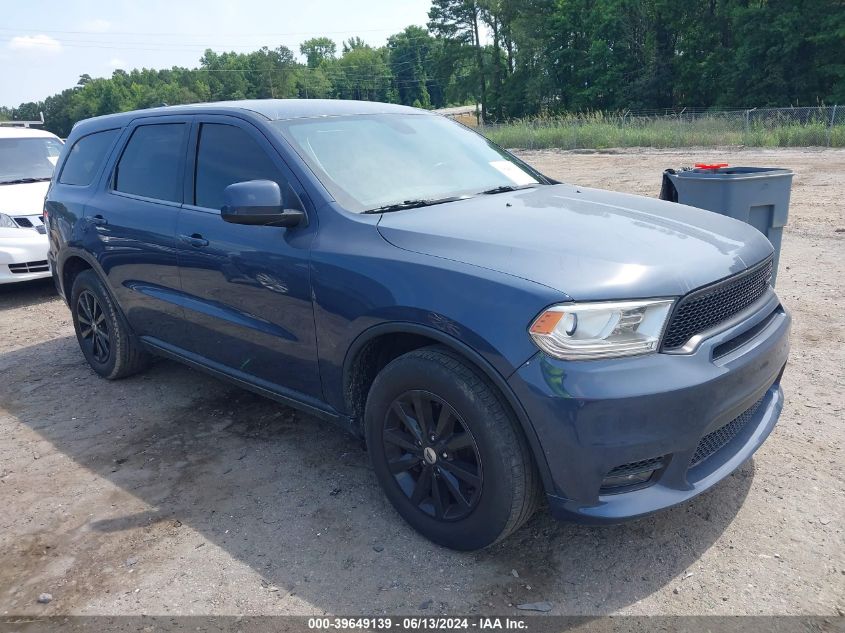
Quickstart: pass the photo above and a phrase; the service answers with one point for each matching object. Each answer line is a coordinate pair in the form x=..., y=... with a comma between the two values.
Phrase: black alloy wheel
x=104, y=336
x=447, y=450
x=94, y=330
x=432, y=455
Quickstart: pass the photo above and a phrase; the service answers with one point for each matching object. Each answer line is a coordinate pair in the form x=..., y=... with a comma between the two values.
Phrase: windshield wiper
x=19, y=181
x=412, y=204
x=506, y=188
x=426, y=202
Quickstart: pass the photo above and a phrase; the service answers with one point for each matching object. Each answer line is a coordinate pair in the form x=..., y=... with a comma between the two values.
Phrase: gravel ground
x=172, y=493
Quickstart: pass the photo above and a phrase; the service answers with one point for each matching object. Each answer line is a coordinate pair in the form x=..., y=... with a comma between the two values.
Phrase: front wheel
x=447, y=451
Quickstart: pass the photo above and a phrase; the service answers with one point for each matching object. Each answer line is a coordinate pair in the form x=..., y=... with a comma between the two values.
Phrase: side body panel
x=361, y=282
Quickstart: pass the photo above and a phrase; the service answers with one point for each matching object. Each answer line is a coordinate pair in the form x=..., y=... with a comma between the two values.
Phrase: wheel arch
x=73, y=262
x=366, y=357
x=69, y=270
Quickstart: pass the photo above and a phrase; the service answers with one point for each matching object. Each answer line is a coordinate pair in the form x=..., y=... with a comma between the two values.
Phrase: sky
x=46, y=45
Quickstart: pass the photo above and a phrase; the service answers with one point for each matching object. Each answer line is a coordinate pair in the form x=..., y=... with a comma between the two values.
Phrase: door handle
x=99, y=220
x=196, y=240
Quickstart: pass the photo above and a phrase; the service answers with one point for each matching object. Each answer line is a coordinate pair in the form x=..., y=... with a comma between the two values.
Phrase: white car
x=27, y=159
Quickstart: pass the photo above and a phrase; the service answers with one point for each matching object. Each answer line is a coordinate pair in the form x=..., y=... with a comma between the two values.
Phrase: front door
x=247, y=288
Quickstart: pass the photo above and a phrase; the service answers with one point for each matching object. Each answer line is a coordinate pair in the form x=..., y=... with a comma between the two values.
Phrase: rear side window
x=152, y=161
x=227, y=154
x=85, y=158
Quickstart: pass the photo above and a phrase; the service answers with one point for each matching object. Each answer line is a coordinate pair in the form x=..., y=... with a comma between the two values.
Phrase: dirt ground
x=172, y=493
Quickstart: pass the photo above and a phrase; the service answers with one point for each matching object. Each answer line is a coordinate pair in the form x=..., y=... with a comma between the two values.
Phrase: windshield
x=368, y=162
x=28, y=158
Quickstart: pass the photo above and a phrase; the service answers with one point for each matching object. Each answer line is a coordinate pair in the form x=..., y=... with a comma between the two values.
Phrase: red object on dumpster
x=710, y=165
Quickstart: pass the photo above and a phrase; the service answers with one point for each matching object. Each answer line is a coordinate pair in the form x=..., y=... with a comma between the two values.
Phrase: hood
x=23, y=199
x=21, y=237
x=587, y=243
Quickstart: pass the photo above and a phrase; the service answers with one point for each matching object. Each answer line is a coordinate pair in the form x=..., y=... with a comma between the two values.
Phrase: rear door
x=248, y=292
x=130, y=225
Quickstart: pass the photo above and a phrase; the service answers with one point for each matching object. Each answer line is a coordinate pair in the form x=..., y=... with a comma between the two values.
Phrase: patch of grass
x=600, y=131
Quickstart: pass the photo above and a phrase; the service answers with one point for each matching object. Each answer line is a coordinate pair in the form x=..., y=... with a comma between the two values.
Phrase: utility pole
x=270, y=79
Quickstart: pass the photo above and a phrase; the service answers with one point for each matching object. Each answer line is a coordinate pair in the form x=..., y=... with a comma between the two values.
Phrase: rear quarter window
x=86, y=157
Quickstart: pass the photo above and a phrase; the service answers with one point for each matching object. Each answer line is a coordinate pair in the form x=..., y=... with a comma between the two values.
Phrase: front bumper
x=594, y=416
x=23, y=257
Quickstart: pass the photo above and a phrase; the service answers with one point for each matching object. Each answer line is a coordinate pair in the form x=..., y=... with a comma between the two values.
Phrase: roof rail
x=23, y=123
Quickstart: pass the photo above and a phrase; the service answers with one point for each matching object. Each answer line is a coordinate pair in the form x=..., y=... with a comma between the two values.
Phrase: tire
x=110, y=347
x=482, y=456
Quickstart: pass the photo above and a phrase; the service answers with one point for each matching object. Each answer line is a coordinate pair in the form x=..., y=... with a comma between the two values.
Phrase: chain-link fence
x=757, y=127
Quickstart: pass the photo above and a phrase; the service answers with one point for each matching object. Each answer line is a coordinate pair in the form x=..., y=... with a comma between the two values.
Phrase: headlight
x=7, y=223
x=581, y=331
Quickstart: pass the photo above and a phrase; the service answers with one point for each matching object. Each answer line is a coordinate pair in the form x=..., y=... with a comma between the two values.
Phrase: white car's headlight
x=581, y=331
x=7, y=223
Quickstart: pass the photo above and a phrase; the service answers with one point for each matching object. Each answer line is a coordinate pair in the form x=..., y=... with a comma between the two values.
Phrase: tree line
x=520, y=58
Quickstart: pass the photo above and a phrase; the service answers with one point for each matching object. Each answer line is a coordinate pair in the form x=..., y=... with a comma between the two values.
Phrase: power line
x=182, y=34
x=198, y=49
x=338, y=75
x=327, y=73
x=395, y=73
x=121, y=43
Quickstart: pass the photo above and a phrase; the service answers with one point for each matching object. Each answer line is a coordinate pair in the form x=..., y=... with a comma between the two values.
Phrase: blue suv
x=498, y=338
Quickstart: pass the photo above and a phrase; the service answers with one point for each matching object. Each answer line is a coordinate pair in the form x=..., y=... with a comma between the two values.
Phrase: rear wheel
x=103, y=335
x=447, y=452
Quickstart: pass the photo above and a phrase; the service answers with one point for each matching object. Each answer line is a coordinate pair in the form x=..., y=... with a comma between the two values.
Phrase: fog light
x=630, y=476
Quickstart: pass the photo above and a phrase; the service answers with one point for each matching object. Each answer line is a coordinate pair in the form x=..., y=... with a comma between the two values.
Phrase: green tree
x=459, y=21
x=30, y=111
x=313, y=83
x=409, y=55
x=786, y=52
x=352, y=43
x=318, y=50
x=520, y=58
x=362, y=73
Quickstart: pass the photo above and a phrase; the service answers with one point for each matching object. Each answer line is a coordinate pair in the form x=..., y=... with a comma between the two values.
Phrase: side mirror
x=258, y=202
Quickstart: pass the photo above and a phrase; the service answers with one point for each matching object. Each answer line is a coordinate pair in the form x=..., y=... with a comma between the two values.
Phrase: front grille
x=34, y=222
x=717, y=439
x=29, y=267
x=702, y=309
